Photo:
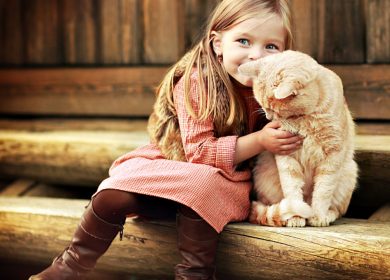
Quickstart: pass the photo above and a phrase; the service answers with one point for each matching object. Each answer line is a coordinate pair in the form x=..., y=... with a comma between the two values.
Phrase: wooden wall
x=103, y=57
x=133, y=32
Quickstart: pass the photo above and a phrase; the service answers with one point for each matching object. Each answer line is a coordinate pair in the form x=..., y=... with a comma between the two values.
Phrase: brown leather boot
x=197, y=243
x=92, y=238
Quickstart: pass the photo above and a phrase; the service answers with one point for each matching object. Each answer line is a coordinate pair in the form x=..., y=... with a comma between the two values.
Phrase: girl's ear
x=216, y=42
x=250, y=69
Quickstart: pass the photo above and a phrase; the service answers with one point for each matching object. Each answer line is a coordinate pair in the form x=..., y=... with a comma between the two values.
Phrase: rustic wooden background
x=77, y=83
x=105, y=57
x=150, y=32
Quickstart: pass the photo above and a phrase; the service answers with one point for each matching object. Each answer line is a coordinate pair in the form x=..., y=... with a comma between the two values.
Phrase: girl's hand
x=278, y=141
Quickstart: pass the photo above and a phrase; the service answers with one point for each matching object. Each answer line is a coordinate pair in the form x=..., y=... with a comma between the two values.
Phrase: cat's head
x=284, y=84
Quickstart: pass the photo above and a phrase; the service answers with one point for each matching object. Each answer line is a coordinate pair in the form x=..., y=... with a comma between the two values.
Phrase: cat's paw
x=322, y=221
x=296, y=222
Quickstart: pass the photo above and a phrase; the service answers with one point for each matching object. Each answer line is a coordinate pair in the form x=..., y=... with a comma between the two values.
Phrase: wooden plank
x=82, y=158
x=163, y=31
x=78, y=27
x=133, y=124
x=368, y=128
x=131, y=91
x=305, y=18
x=378, y=31
x=18, y=187
x=66, y=157
x=366, y=88
x=196, y=19
x=80, y=91
x=382, y=214
x=120, y=31
x=347, y=46
x=73, y=124
x=318, y=32
x=40, y=32
x=350, y=249
x=11, y=50
x=130, y=31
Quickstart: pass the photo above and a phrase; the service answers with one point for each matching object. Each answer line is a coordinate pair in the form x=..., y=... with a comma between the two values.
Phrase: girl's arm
x=269, y=138
x=199, y=143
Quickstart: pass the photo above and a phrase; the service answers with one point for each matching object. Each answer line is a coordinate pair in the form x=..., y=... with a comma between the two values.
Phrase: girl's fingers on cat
x=273, y=124
x=290, y=148
x=290, y=140
x=283, y=134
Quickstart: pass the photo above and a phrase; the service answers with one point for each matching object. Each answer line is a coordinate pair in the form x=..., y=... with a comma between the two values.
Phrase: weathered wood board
x=131, y=91
x=36, y=229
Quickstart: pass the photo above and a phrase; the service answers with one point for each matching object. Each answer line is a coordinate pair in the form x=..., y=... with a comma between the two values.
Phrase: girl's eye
x=272, y=47
x=244, y=42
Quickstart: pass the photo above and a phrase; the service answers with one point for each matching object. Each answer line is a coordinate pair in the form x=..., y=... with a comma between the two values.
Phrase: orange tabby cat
x=313, y=185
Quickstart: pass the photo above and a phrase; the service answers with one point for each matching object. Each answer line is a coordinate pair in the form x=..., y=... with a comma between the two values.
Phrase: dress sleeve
x=200, y=144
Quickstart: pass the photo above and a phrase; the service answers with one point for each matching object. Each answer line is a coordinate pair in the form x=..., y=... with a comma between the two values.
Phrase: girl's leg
x=100, y=223
x=197, y=243
x=114, y=205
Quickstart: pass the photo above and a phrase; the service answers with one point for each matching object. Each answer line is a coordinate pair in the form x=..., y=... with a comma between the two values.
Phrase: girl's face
x=249, y=40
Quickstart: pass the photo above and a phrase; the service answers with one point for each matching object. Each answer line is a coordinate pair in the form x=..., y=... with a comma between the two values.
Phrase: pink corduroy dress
x=208, y=183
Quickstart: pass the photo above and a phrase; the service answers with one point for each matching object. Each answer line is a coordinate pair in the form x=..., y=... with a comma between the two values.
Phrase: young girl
x=205, y=125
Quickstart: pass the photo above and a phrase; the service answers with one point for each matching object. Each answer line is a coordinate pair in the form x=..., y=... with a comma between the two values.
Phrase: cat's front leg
x=292, y=183
x=291, y=177
x=325, y=183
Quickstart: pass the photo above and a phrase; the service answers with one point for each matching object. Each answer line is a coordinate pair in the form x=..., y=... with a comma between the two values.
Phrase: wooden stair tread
x=31, y=229
x=75, y=156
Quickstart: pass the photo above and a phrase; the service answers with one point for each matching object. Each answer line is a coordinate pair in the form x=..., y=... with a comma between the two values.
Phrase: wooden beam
x=131, y=91
x=65, y=157
x=79, y=91
x=36, y=229
x=78, y=157
x=83, y=124
x=366, y=89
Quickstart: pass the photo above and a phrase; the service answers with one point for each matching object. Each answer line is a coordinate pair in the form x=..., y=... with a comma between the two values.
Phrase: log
x=366, y=89
x=131, y=91
x=34, y=230
x=79, y=91
x=82, y=158
x=66, y=157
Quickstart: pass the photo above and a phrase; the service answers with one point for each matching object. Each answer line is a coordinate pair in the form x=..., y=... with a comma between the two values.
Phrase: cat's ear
x=250, y=69
x=284, y=91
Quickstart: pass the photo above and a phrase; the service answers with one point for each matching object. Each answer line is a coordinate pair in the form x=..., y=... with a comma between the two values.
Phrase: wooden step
x=33, y=230
x=65, y=156
x=130, y=91
x=79, y=152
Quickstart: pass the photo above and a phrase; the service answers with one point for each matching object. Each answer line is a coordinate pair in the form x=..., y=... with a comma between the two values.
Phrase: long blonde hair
x=217, y=97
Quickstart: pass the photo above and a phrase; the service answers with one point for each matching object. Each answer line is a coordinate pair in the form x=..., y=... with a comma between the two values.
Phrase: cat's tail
x=278, y=214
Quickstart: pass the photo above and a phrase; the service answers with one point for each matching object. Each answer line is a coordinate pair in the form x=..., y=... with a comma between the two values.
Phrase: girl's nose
x=256, y=53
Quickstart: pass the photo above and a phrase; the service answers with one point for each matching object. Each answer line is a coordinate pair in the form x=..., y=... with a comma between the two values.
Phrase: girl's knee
x=112, y=204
